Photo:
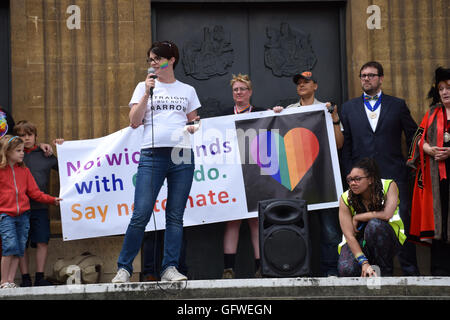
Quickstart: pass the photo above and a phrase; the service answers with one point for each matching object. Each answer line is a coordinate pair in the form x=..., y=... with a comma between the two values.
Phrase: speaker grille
x=284, y=213
x=285, y=250
x=284, y=242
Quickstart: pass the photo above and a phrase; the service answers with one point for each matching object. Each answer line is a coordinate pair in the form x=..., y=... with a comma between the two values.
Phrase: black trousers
x=440, y=249
x=379, y=244
x=407, y=254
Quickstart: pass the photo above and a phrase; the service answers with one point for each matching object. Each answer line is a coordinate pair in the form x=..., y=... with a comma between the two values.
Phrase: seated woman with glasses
x=373, y=231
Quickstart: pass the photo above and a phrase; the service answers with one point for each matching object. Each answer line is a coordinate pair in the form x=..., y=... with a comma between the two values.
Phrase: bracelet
x=362, y=259
x=337, y=122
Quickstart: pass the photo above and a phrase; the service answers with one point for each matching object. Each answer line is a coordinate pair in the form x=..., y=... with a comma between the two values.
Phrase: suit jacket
x=383, y=145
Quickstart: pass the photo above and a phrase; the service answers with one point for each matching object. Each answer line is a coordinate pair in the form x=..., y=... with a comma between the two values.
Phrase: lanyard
x=246, y=109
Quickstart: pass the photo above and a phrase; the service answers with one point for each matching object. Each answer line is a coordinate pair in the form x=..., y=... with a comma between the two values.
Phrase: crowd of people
x=377, y=218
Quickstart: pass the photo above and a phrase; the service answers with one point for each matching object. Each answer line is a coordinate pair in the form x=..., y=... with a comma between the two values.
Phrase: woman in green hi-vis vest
x=373, y=231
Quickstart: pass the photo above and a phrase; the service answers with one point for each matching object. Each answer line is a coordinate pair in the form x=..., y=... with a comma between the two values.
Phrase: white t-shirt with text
x=171, y=104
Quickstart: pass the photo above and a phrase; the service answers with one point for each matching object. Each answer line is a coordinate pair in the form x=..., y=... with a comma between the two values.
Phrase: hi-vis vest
x=395, y=222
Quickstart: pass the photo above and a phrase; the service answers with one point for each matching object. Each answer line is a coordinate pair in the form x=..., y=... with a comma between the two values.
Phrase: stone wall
x=76, y=83
x=411, y=44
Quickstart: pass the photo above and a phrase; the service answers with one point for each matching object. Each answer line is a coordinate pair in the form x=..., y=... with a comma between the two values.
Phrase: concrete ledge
x=266, y=288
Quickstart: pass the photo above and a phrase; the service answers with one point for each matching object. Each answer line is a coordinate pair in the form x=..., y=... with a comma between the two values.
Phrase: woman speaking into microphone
x=163, y=105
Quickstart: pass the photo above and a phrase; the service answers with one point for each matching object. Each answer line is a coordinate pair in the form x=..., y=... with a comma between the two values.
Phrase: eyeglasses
x=355, y=179
x=368, y=75
x=155, y=60
x=240, y=89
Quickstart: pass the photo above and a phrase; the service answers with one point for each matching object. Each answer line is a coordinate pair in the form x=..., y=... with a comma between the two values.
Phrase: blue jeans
x=152, y=249
x=14, y=233
x=154, y=166
x=330, y=237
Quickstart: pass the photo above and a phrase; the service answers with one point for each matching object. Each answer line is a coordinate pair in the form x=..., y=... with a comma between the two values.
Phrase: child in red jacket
x=17, y=186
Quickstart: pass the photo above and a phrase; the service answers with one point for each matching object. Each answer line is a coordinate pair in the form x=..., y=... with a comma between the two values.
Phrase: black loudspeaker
x=284, y=243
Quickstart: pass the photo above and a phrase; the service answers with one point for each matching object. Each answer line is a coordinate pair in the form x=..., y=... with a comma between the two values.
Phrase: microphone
x=152, y=70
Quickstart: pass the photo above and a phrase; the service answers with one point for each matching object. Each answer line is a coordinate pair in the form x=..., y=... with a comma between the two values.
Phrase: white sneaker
x=172, y=274
x=5, y=285
x=8, y=285
x=121, y=276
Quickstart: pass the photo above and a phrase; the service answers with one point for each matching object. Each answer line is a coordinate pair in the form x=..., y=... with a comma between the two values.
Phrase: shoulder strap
x=345, y=199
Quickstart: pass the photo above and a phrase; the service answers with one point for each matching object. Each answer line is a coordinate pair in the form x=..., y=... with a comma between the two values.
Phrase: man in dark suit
x=373, y=125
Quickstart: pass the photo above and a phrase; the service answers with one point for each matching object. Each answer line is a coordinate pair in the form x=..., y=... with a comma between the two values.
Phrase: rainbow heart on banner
x=285, y=159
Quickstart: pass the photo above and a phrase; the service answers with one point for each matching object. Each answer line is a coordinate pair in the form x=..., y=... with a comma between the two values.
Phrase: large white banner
x=97, y=178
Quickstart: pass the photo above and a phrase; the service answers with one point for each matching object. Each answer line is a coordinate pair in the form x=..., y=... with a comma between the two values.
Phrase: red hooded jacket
x=17, y=185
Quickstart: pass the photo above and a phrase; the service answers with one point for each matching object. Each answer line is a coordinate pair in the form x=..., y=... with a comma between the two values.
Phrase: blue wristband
x=361, y=259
